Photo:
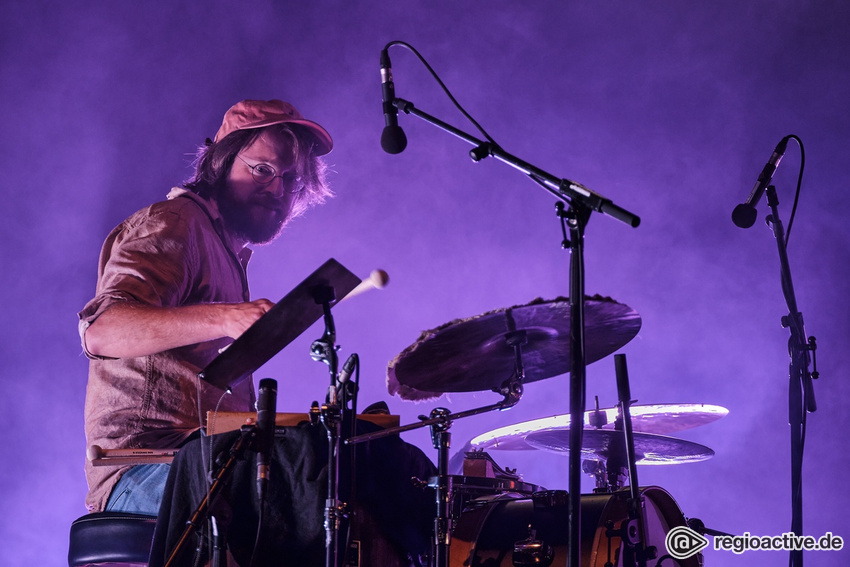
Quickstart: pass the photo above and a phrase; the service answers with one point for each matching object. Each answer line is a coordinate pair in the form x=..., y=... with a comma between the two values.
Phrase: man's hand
x=240, y=316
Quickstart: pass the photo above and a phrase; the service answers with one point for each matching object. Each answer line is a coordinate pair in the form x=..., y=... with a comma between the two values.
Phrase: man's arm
x=128, y=330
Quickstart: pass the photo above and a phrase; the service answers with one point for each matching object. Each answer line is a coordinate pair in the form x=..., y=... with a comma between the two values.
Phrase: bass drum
x=509, y=532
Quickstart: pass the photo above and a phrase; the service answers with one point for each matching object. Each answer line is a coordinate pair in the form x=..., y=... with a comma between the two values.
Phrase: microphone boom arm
x=559, y=187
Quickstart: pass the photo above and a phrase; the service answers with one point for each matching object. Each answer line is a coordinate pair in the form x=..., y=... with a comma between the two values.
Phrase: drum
x=466, y=489
x=502, y=530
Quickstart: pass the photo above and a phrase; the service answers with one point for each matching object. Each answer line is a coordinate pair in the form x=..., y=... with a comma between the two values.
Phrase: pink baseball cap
x=259, y=113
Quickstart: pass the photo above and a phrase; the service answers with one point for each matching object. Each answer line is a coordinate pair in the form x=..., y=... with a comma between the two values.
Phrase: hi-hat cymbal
x=649, y=418
x=470, y=355
x=650, y=449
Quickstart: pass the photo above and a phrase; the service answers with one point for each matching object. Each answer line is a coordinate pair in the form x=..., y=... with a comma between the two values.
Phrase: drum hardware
x=629, y=533
x=494, y=530
x=698, y=526
x=466, y=355
x=546, y=499
x=580, y=202
x=455, y=357
x=637, y=541
x=333, y=412
x=481, y=464
x=608, y=477
x=440, y=421
x=531, y=551
x=596, y=469
x=464, y=491
x=608, y=457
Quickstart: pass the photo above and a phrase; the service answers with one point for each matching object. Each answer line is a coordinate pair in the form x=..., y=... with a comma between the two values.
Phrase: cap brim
x=324, y=142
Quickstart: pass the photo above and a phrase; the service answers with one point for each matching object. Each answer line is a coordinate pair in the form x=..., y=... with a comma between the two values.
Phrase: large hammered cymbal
x=649, y=418
x=650, y=449
x=470, y=355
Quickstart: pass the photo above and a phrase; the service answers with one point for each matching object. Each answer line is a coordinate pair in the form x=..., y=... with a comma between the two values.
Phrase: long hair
x=214, y=160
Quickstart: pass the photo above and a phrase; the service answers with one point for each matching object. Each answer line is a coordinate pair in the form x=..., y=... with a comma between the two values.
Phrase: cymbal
x=648, y=418
x=470, y=355
x=650, y=449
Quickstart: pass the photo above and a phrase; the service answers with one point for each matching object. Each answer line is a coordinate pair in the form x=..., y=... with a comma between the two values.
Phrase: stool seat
x=107, y=538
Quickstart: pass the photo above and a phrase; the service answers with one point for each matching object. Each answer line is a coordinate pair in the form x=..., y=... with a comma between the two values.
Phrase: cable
x=454, y=101
x=444, y=87
x=209, y=466
x=257, y=538
x=799, y=184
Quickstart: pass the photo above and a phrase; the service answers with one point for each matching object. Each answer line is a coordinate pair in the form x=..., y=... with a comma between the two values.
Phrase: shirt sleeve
x=149, y=259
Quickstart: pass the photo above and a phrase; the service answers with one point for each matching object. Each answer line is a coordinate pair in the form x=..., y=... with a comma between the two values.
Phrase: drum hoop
x=461, y=483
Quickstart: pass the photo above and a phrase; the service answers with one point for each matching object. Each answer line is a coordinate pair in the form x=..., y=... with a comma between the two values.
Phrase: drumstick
x=377, y=280
x=99, y=456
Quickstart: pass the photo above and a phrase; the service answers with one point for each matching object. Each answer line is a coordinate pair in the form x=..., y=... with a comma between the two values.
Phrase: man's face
x=252, y=211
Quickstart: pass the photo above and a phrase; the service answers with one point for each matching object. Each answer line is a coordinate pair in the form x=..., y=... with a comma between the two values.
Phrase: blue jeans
x=139, y=490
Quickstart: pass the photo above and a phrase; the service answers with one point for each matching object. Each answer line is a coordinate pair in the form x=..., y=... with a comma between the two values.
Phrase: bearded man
x=172, y=291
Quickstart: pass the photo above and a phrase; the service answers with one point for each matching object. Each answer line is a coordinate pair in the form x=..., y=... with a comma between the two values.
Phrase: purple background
x=668, y=108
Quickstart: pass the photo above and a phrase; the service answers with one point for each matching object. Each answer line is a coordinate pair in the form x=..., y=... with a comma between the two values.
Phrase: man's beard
x=258, y=220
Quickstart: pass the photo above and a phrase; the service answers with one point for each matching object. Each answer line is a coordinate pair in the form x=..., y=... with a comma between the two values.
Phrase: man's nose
x=277, y=187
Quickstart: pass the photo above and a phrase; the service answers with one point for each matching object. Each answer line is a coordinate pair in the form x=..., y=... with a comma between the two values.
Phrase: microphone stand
x=247, y=440
x=582, y=202
x=324, y=350
x=801, y=395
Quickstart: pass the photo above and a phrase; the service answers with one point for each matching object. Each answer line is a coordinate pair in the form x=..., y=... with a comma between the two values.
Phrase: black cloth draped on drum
x=397, y=514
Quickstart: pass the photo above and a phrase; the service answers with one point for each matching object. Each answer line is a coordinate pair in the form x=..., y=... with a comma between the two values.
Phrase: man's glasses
x=264, y=174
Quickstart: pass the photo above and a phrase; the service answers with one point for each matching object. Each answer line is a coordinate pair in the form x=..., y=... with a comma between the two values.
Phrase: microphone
x=347, y=370
x=745, y=214
x=266, y=413
x=393, y=139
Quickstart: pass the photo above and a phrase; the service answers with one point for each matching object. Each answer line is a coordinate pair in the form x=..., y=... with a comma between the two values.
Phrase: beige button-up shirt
x=170, y=254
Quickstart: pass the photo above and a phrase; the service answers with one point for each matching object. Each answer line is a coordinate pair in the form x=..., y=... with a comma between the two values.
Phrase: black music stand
x=278, y=327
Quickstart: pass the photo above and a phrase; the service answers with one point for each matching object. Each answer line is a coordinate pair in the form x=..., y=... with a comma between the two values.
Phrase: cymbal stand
x=633, y=532
x=600, y=469
x=324, y=350
x=440, y=421
x=441, y=439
